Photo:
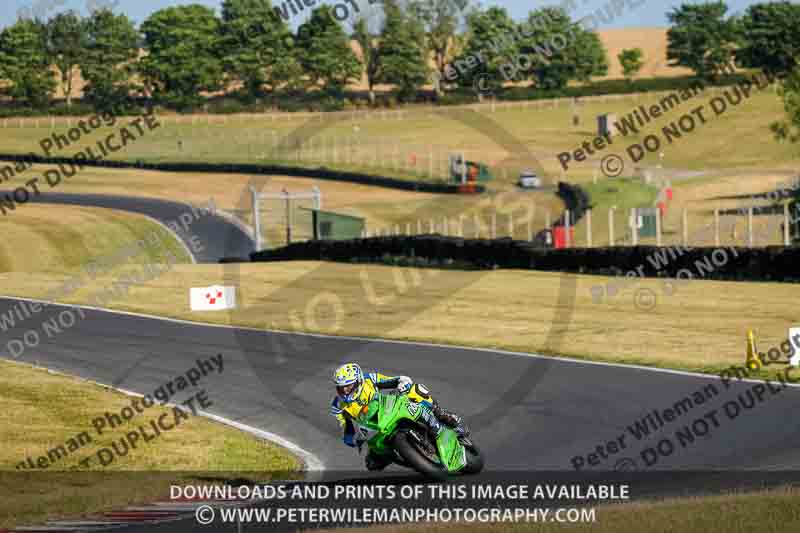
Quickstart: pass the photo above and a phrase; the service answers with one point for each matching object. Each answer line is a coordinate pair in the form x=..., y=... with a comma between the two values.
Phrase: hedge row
x=774, y=263
x=577, y=201
x=248, y=168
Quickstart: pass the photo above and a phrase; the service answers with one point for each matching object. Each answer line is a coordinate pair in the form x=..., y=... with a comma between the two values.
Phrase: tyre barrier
x=322, y=173
x=772, y=263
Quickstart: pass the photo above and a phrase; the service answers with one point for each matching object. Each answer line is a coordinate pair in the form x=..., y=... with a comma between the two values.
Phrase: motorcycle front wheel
x=409, y=449
x=474, y=458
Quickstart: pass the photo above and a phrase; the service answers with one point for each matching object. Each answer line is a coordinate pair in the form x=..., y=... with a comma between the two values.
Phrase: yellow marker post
x=753, y=361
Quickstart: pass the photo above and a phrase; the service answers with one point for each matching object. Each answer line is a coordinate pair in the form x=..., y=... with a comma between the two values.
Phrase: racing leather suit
x=346, y=412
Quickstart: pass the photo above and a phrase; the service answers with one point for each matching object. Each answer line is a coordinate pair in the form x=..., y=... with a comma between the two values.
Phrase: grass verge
x=56, y=408
x=768, y=511
x=60, y=238
x=698, y=326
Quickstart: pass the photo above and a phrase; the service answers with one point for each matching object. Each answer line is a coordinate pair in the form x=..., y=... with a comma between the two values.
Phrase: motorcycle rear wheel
x=408, y=450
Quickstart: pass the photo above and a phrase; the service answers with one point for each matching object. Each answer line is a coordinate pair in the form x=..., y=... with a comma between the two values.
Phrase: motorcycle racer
x=354, y=390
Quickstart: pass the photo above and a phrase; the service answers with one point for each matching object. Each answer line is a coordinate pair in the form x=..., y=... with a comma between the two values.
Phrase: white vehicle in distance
x=529, y=180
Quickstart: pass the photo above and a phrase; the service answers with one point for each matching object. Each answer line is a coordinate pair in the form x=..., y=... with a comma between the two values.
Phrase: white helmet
x=349, y=378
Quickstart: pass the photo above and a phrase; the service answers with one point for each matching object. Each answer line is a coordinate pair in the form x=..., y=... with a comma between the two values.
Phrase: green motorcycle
x=395, y=426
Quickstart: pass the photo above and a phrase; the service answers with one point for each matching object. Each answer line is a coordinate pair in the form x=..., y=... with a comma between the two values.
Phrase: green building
x=330, y=226
x=646, y=221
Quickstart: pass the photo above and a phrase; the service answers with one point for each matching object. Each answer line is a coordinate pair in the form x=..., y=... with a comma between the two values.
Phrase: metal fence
x=283, y=218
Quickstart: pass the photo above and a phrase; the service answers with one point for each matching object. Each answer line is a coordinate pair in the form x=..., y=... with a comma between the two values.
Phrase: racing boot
x=451, y=420
x=375, y=462
x=440, y=416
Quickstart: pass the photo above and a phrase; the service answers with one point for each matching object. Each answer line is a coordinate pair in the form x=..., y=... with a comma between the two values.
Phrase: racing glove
x=356, y=439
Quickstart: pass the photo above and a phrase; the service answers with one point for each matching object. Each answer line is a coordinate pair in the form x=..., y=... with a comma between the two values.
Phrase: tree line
x=181, y=53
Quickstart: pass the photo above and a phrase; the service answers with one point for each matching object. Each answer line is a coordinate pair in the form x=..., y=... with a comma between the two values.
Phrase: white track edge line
x=311, y=461
x=175, y=235
x=398, y=341
x=221, y=213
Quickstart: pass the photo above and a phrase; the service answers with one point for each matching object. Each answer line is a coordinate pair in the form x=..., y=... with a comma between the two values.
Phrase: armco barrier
x=248, y=168
x=773, y=263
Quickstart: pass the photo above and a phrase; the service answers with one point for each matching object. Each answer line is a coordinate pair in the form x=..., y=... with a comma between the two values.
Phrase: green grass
x=621, y=194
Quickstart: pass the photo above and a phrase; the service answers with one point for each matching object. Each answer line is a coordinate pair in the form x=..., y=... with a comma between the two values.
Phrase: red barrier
x=559, y=237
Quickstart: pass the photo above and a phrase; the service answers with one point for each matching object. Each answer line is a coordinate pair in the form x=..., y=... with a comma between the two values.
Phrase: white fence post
x=658, y=227
x=610, y=226
x=786, y=224
x=256, y=218
x=567, y=241
x=685, y=226
x=589, y=228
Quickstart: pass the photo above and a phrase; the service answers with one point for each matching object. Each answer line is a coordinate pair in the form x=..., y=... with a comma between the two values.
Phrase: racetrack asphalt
x=569, y=410
x=217, y=236
x=287, y=390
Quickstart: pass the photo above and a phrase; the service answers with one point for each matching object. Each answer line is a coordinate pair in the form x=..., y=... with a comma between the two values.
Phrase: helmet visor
x=345, y=390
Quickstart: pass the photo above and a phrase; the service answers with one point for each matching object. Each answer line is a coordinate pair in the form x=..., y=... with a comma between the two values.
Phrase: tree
x=701, y=38
x=24, y=62
x=109, y=63
x=402, y=51
x=324, y=51
x=489, y=46
x=256, y=46
x=789, y=91
x=182, y=45
x=370, y=52
x=441, y=19
x=631, y=60
x=770, y=37
x=555, y=50
x=65, y=44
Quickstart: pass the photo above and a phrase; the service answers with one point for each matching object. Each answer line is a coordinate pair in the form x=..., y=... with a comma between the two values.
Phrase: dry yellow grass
x=701, y=327
x=727, y=191
x=652, y=41
x=60, y=237
x=722, y=190
x=56, y=408
x=767, y=511
x=382, y=207
x=229, y=191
